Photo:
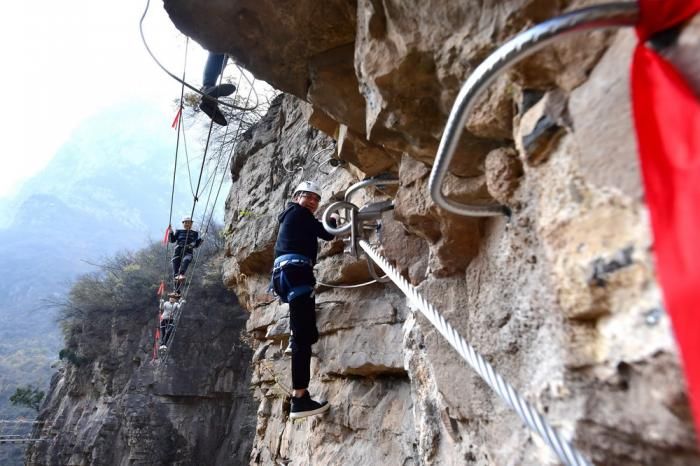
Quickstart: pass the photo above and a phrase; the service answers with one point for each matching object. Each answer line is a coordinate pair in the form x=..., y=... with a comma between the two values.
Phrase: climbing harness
x=279, y=281
x=523, y=45
x=182, y=81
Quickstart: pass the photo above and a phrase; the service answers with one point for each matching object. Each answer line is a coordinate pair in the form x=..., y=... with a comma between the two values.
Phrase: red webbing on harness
x=166, y=237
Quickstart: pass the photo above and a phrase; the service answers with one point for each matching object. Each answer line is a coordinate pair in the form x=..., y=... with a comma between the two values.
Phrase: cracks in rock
x=601, y=269
x=392, y=375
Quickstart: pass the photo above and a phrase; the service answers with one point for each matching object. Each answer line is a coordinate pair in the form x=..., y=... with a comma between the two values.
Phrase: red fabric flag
x=166, y=237
x=155, y=343
x=667, y=120
x=177, y=118
x=161, y=288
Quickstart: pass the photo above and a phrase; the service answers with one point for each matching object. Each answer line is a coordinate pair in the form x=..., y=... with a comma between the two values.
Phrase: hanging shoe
x=211, y=108
x=163, y=347
x=305, y=406
x=220, y=90
x=180, y=278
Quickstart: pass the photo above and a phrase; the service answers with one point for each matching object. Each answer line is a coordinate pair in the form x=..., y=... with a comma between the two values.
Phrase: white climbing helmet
x=309, y=187
x=186, y=219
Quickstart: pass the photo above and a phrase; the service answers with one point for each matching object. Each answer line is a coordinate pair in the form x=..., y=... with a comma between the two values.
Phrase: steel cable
x=527, y=413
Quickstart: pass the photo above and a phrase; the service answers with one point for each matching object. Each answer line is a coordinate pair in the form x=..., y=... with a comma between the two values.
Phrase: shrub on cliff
x=124, y=287
x=28, y=396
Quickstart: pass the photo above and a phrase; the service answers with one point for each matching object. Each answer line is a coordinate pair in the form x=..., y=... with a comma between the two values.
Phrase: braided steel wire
x=529, y=415
x=609, y=15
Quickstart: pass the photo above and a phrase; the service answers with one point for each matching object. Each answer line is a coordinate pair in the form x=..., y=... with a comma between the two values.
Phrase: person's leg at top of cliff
x=293, y=280
x=212, y=69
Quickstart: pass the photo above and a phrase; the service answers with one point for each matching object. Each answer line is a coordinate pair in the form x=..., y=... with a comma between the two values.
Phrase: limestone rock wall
x=365, y=380
x=122, y=408
x=561, y=297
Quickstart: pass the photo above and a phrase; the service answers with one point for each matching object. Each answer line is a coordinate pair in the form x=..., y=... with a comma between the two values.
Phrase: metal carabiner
x=610, y=15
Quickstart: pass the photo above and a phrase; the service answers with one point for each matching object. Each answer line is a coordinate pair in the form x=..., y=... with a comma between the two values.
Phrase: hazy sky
x=64, y=61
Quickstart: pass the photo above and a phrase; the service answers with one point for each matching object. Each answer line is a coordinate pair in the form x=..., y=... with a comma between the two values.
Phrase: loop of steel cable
x=610, y=15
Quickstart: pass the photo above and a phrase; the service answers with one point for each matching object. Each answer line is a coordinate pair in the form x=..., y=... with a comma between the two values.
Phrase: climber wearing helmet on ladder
x=293, y=281
x=168, y=309
x=186, y=241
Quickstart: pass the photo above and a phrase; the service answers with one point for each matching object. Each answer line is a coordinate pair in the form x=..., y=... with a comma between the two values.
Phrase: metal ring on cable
x=325, y=218
x=610, y=15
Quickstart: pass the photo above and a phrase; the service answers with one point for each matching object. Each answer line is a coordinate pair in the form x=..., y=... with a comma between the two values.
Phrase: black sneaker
x=211, y=108
x=220, y=90
x=305, y=406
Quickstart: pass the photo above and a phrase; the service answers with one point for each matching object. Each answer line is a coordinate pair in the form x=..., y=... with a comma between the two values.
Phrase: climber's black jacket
x=183, y=236
x=299, y=232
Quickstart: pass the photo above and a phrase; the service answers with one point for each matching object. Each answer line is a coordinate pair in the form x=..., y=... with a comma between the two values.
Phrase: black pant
x=180, y=261
x=166, y=328
x=302, y=322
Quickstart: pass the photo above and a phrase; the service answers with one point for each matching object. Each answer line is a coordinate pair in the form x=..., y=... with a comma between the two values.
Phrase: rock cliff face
x=114, y=405
x=562, y=298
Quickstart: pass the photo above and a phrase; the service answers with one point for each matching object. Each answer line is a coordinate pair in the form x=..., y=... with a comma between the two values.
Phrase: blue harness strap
x=280, y=283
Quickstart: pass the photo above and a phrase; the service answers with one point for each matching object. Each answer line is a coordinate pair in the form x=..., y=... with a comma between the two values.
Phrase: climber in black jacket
x=293, y=280
x=186, y=241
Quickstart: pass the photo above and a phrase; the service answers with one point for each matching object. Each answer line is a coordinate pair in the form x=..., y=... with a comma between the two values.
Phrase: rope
x=187, y=157
x=172, y=191
x=358, y=285
x=184, y=247
x=286, y=390
x=527, y=413
x=176, y=317
x=182, y=81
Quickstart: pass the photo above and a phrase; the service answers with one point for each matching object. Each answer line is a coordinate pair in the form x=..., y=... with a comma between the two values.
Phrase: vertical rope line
x=172, y=190
x=176, y=318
